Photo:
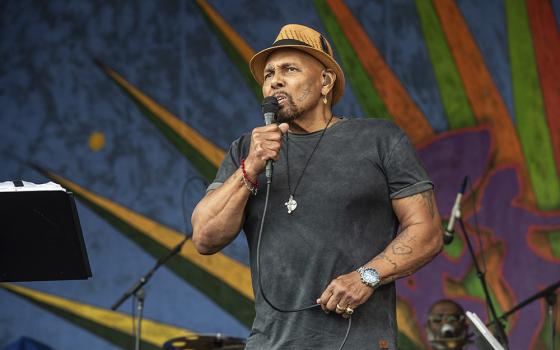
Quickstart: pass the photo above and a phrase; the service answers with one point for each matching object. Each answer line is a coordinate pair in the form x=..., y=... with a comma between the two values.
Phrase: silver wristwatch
x=369, y=276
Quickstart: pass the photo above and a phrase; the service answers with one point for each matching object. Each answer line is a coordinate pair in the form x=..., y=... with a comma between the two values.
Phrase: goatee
x=289, y=112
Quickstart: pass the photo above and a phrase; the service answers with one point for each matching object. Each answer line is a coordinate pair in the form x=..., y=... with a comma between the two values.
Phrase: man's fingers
x=271, y=145
x=271, y=128
x=331, y=297
x=343, y=303
x=267, y=154
x=265, y=144
x=333, y=300
x=267, y=136
x=266, y=128
x=324, y=298
x=343, y=296
x=339, y=308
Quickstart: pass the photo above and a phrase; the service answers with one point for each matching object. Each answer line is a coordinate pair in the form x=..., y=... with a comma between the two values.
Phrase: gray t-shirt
x=343, y=219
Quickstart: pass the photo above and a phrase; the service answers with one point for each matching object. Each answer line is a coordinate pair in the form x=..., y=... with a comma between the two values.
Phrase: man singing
x=340, y=191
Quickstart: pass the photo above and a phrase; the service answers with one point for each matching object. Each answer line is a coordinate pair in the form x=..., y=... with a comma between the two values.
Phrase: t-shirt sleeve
x=404, y=170
x=229, y=165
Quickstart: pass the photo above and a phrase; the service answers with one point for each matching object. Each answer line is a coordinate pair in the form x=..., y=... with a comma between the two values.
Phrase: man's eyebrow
x=288, y=64
x=271, y=68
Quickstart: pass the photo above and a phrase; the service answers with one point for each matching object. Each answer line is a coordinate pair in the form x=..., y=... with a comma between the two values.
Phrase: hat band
x=287, y=42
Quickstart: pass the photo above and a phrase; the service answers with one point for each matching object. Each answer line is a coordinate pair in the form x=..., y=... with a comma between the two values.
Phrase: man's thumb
x=284, y=127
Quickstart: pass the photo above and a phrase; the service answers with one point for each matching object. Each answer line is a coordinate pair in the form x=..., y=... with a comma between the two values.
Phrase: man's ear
x=329, y=78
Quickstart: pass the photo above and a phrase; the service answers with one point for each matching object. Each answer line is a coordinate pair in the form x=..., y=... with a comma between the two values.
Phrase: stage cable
x=477, y=228
x=259, y=238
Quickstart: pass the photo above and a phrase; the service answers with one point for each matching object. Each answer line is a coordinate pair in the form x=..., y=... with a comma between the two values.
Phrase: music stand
x=40, y=235
x=485, y=340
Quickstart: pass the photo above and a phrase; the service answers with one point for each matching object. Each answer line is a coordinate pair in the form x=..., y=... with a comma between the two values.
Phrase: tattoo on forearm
x=401, y=249
x=429, y=202
x=384, y=256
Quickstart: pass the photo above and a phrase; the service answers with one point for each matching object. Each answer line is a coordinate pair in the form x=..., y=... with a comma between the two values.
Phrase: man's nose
x=277, y=81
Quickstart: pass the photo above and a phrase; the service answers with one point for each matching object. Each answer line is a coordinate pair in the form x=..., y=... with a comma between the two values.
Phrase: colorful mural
x=131, y=106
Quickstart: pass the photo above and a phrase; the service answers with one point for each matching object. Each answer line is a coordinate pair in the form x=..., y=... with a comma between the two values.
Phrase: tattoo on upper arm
x=427, y=195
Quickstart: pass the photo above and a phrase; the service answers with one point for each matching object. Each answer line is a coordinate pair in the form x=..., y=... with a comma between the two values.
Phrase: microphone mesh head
x=270, y=105
x=447, y=238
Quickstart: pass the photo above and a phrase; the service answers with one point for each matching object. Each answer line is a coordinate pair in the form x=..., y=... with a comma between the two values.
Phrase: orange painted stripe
x=546, y=41
x=235, y=39
x=397, y=100
x=484, y=98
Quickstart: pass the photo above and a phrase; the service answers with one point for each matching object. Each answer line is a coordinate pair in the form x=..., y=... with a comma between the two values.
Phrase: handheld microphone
x=269, y=109
x=455, y=214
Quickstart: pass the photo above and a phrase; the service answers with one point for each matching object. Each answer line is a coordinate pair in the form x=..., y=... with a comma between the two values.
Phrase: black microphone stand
x=551, y=301
x=137, y=289
x=549, y=294
x=481, y=276
x=139, y=296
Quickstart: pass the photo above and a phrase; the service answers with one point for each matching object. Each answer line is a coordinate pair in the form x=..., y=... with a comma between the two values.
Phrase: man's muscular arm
x=218, y=217
x=420, y=239
x=419, y=242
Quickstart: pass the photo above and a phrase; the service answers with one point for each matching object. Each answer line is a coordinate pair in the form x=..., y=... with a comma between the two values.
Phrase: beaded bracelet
x=253, y=187
x=249, y=186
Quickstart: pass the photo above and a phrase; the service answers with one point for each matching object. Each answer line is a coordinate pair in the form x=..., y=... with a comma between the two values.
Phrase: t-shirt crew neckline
x=318, y=132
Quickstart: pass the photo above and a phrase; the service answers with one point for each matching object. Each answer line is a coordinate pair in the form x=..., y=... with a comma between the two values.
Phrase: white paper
x=483, y=331
x=8, y=186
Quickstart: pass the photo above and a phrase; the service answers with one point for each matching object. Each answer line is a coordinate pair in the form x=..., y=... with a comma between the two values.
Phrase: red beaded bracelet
x=246, y=177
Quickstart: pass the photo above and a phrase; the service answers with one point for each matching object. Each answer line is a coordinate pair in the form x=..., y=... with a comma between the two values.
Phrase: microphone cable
x=258, y=263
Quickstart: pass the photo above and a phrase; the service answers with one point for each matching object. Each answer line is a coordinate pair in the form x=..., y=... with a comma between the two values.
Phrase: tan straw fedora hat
x=308, y=40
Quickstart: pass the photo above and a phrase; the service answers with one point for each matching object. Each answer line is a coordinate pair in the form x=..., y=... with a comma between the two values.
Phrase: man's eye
x=267, y=75
x=292, y=69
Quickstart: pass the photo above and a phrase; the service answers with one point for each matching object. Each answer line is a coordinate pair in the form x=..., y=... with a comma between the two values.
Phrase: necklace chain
x=306, y=163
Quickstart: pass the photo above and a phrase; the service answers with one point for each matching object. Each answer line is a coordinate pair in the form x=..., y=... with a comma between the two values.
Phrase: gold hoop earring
x=325, y=99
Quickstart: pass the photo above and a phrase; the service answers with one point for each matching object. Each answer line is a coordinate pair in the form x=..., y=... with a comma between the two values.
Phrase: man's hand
x=265, y=144
x=346, y=291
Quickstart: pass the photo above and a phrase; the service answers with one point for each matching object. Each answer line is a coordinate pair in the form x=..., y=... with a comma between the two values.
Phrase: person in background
x=447, y=327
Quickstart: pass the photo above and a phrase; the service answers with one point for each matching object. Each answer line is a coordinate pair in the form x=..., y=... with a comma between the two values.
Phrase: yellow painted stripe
x=152, y=332
x=209, y=150
x=406, y=323
x=235, y=39
x=226, y=269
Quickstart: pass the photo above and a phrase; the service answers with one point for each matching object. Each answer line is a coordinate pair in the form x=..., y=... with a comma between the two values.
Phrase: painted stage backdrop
x=131, y=105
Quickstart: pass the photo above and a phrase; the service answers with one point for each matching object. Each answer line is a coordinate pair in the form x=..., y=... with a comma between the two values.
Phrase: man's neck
x=312, y=121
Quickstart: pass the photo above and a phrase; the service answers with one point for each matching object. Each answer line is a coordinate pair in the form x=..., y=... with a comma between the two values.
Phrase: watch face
x=371, y=276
